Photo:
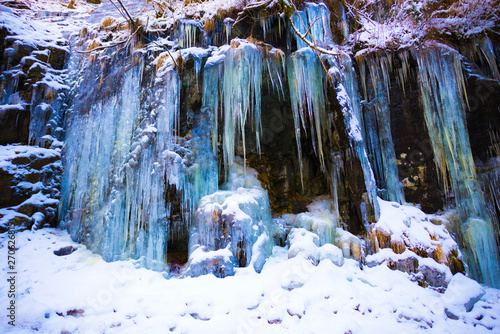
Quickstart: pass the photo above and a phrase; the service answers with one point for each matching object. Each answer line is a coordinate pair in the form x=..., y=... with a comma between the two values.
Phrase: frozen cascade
x=314, y=20
x=377, y=125
x=442, y=88
x=92, y=161
x=114, y=183
x=242, y=96
x=344, y=78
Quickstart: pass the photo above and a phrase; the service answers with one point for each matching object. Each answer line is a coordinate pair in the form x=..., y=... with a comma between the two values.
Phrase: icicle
x=228, y=25
x=187, y=30
x=213, y=71
x=242, y=95
x=442, y=89
x=306, y=82
x=337, y=166
x=344, y=24
x=275, y=66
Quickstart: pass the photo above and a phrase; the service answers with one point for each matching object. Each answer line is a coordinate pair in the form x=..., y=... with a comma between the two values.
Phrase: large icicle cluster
x=443, y=89
x=377, y=125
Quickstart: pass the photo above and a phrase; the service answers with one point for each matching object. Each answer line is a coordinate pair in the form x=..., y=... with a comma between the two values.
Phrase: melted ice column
x=443, y=88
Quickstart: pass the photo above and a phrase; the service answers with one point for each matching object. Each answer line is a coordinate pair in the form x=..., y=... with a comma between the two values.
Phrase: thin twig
x=102, y=47
x=309, y=43
x=132, y=22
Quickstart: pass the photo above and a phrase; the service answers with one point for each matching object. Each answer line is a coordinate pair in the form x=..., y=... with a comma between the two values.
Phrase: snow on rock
x=305, y=244
x=219, y=262
x=332, y=253
x=81, y=293
x=404, y=227
x=461, y=295
x=425, y=271
x=29, y=177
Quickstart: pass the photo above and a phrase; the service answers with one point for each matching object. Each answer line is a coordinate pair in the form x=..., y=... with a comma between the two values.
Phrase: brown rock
x=14, y=125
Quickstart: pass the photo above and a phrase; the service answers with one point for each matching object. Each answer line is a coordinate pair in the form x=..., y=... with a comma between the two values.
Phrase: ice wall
x=142, y=161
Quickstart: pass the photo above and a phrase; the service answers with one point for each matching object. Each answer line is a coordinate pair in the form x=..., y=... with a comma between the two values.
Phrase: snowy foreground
x=80, y=293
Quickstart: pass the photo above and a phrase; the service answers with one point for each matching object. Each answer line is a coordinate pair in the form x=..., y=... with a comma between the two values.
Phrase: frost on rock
x=236, y=219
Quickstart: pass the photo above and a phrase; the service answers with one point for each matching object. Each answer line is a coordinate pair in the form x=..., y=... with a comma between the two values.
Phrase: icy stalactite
x=306, y=81
x=228, y=26
x=242, y=96
x=313, y=20
x=187, y=31
x=442, y=88
x=482, y=52
x=213, y=72
x=274, y=64
x=377, y=125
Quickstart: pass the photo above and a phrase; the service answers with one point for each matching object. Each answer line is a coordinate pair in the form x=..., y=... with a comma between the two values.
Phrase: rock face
x=30, y=178
x=32, y=94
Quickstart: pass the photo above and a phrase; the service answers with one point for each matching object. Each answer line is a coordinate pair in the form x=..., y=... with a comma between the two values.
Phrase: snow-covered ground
x=80, y=293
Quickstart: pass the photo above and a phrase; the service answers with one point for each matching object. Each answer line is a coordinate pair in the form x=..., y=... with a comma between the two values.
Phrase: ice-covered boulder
x=305, y=244
x=236, y=219
x=219, y=262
